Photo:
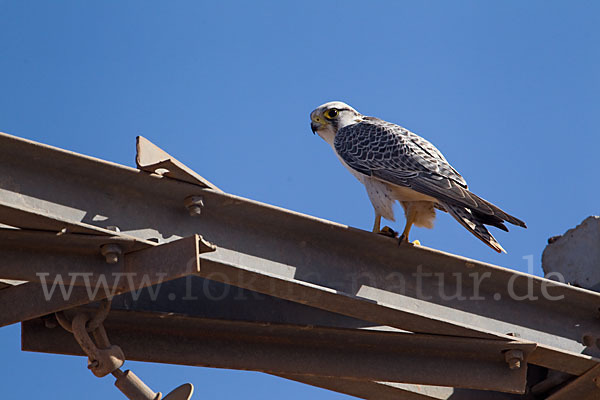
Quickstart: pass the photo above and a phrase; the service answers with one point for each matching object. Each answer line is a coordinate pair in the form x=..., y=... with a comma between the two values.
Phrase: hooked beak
x=314, y=126
x=316, y=122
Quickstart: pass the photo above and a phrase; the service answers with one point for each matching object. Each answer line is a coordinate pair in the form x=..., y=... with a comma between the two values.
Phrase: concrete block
x=576, y=255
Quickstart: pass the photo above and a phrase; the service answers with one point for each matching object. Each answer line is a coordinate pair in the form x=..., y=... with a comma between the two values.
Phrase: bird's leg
x=386, y=231
x=377, y=224
x=410, y=219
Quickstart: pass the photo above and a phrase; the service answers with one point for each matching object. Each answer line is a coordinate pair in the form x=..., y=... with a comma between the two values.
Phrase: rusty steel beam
x=37, y=256
x=401, y=391
x=280, y=284
x=199, y=298
x=380, y=390
x=584, y=387
x=134, y=271
x=416, y=284
x=195, y=297
x=15, y=215
x=363, y=355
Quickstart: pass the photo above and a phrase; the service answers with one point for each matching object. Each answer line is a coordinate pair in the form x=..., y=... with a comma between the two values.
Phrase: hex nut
x=194, y=205
x=111, y=252
x=513, y=358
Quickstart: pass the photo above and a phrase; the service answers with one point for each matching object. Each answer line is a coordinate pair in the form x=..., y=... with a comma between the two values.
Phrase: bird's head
x=328, y=118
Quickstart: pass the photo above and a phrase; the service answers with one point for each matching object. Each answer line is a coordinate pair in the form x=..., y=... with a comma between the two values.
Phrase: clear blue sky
x=509, y=91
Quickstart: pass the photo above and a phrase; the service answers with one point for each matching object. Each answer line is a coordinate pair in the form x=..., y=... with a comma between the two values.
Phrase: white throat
x=327, y=135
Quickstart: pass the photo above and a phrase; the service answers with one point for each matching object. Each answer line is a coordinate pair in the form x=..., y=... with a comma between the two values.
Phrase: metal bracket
x=584, y=387
x=151, y=158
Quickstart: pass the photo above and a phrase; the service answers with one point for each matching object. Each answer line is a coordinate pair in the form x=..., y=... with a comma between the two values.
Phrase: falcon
x=395, y=164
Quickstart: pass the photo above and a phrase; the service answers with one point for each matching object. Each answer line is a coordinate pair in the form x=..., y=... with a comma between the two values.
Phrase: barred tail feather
x=473, y=224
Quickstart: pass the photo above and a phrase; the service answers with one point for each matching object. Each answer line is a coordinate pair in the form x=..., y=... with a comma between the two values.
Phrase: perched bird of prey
x=396, y=164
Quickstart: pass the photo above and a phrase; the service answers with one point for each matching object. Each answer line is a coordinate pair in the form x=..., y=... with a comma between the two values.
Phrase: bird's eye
x=331, y=113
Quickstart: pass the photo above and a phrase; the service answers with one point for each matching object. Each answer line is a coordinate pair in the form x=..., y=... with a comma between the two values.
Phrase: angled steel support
x=75, y=272
x=416, y=288
x=17, y=215
x=195, y=297
x=369, y=304
x=151, y=158
x=39, y=255
x=401, y=391
x=379, y=390
x=42, y=256
x=585, y=387
x=363, y=355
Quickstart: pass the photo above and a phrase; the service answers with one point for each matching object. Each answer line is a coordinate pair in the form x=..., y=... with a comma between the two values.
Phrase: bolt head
x=194, y=205
x=112, y=258
x=514, y=363
x=513, y=358
x=195, y=210
x=111, y=252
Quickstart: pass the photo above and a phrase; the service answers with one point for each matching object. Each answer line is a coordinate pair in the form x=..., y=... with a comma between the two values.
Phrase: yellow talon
x=416, y=243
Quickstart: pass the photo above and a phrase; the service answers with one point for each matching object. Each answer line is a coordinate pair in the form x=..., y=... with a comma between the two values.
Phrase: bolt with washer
x=194, y=205
x=513, y=358
x=111, y=252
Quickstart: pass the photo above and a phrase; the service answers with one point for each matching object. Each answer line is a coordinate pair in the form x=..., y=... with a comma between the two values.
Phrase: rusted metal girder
x=72, y=187
x=41, y=256
x=585, y=387
x=383, y=390
x=72, y=272
x=363, y=355
x=402, y=391
x=195, y=297
x=38, y=255
x=370, y=305
x=415, y=287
